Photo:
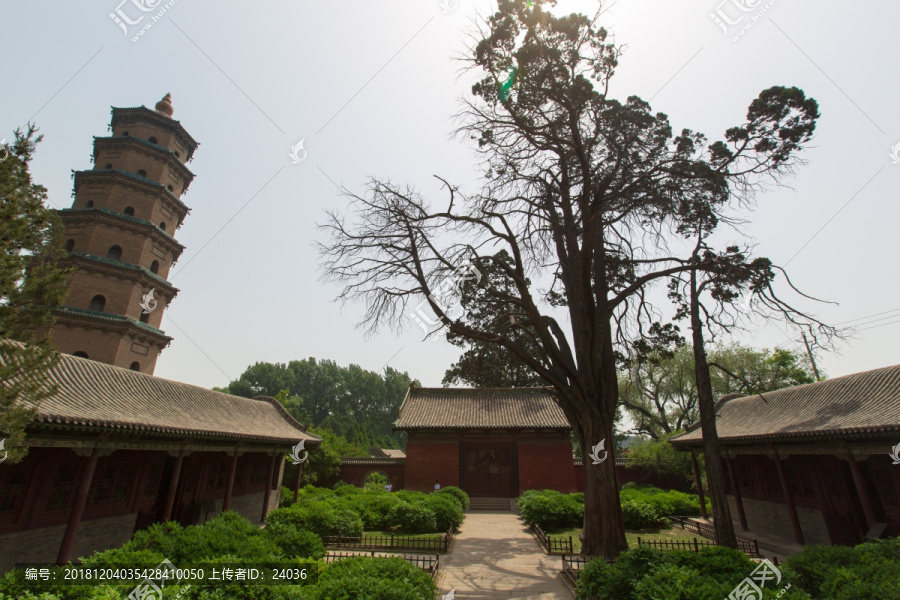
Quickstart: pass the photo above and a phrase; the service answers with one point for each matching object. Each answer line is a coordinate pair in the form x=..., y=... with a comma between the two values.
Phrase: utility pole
x=812, y=359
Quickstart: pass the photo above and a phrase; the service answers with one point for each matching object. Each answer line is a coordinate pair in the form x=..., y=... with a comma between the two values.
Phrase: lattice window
x=215, y=479
x=12, y=491
x=154, y=477
x=800, y=482
x=64, y=486
x=887, y=490
x=259, y=472
x=112, y=485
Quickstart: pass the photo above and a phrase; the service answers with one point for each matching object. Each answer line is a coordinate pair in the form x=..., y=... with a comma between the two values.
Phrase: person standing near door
x=437, y=485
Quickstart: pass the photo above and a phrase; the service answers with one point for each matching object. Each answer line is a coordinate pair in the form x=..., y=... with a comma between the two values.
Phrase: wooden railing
x=369, y=541
x=429, y=564
x=557, y=545
x=749, y=546
x=694, y=546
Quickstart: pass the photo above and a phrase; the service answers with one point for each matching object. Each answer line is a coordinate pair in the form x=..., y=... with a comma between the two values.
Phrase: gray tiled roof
x=98, y=396
x=861, y=404
x=481, y=408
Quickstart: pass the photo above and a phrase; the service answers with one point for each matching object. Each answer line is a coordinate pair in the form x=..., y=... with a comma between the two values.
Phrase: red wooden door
x=489, y=470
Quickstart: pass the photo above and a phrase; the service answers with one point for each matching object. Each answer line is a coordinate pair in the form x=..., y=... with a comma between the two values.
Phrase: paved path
x=494, y=556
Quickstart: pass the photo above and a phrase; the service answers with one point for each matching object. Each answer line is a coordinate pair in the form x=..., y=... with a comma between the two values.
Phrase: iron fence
x=749, y=546
x=553, y=545
x=429, y=564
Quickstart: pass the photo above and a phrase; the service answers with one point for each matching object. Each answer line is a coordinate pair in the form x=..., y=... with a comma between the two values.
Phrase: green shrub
x=324, y=518
x=240, y=590
x=447, y=511
x=412, y=518
x=525, y=497
x=460, y=495
x=641, y=515
x=348, y=490
x=551, y=509
x=870, y=570
x=372, y=579
x=295, y=542
x=374, y=509
x=664, y=502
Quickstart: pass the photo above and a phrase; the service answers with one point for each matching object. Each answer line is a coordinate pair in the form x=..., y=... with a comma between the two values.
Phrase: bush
x=447, y=511
x=870, y=570
x=372, y=579
x=324, y=518
x=295, y=542
x=550, y=509
x=664, y=502
x=374, y=509
x=412, y=518
x=457, y=493
x=641, y=515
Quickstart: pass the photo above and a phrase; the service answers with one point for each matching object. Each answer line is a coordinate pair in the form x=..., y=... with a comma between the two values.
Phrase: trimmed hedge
x=372, y=579
x=413, y=518
x=460, y=495
x=870, y=570
x=322, y=517
x=550, y=509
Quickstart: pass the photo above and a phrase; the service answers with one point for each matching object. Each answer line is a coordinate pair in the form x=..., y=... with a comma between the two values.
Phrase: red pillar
x=173, y=486
x=65, y=548
x=297, y=483
x=268, y=496
x=862, y=491
x=789, y=501
x=737, y=494
x=699, y=481
x=226, y=503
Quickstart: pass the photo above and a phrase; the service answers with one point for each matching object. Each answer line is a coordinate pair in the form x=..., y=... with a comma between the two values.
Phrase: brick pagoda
x=119, y=236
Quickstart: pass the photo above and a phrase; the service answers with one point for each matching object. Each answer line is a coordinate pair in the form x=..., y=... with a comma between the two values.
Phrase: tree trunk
x=604, y=528
x=715, y=476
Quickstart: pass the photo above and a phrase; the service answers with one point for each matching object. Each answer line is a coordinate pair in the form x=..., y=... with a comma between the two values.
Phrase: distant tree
x=353, y=402
x=660, y=395
x=662, y=457
x=32, y=285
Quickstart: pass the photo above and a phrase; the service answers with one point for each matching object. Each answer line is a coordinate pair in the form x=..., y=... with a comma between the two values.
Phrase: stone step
x=497, y=504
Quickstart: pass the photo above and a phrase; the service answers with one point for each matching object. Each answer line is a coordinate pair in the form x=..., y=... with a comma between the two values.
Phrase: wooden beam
x=789, y=501
x=268, y=495
x=699, y=481
x=173, y=486
x=297, y=483
x=65, y=548
x=737, y=494
x=226, y=502
x=862, y=490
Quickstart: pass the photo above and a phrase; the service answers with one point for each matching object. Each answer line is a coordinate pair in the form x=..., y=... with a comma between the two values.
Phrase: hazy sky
x=371, y=87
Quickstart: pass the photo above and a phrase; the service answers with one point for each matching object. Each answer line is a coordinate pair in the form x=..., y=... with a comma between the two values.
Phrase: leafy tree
x=662, y=457
x=660, y=394
x=353, y=402
x=484, y=364
x=582, y=190
x=32, y=285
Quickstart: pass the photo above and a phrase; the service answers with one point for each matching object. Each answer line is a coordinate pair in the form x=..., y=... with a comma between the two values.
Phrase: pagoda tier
x=119, y=236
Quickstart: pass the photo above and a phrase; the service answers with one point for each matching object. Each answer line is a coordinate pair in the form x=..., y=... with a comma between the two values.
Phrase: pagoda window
x=152, y=140
x=129, y=210
x=170, y=188
x=98, y=303
x=145, y=317
x=176, y=154
x=154, y=267
x=162, y=225
x=89, y=204
x=142, y=172
x=70, y=245
x=135, y=366
x=80, y=354
x=114, y=253
x=124, y=134
x=108, y=166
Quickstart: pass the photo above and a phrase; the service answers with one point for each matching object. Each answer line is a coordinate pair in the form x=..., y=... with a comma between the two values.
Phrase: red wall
x=356, y=475
x=429, y=460
x=546, y=465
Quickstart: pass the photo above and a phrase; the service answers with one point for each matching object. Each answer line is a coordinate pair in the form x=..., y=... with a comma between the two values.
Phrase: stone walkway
x=495, y=556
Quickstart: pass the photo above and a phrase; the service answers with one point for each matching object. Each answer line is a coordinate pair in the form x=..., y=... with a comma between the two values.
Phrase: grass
x=421, y=536
x=676, y=533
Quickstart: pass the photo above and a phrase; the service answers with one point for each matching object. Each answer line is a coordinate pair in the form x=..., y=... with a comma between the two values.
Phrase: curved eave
x=137, y=114
x=49, y=422
x=797, y=436
x=125, y=177
x=91, y=262
x=518, y=428
x=68, y=315
x=354, y=460
x=134, y=224
x=142, y=145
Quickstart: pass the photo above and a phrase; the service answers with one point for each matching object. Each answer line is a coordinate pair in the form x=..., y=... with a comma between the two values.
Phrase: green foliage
x=322, y=517
x=372, y=579
x=412, y=518
x=645, y=574
x=640, y=515
x=550, y=509
x=662, y=457
x=447, y=511
x=374, y=509
x=294, y=542
x=663, y=502
x=31, y=287
x=459, y=494
x=355, y=404
x=375, y=481
x=870, y=570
